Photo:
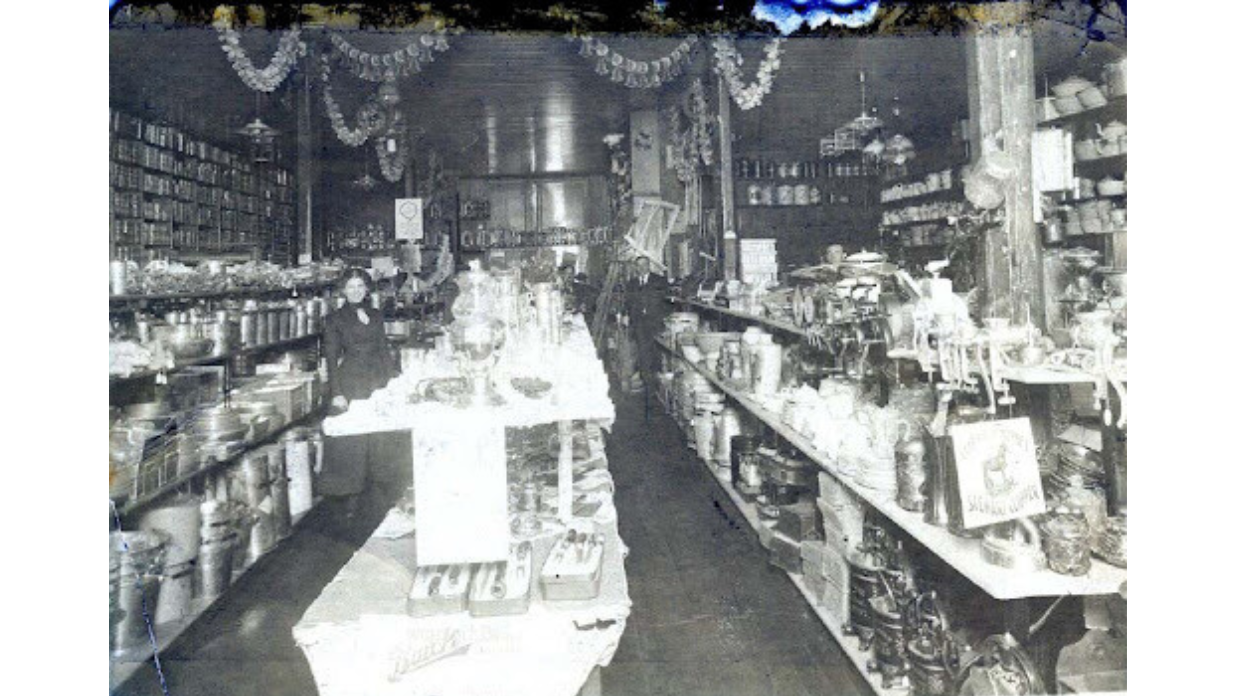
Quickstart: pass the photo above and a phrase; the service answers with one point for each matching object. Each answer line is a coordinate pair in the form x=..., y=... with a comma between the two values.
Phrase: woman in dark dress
x=359, y=362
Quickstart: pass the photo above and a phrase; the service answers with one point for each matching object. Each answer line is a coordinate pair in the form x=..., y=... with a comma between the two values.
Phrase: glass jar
x=1066, y=540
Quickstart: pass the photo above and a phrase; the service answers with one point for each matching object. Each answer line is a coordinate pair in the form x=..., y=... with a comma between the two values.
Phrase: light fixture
x=865, y=123
x=261, y=136
x=261, y=139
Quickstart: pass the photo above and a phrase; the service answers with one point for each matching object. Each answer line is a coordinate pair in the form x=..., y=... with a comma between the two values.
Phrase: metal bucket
x=137, y=558
x=175, y=593
x=213, y=571
x=245, y=521
x=182, y=522
x=261, y=538
x=253, y=479
x=298, y=460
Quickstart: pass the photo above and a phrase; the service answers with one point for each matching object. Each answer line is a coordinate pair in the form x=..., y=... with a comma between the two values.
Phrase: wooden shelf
x=144, y=500
x=931, y=221
x=217, y=294
x=954, y=192
x=122, y=668
x=211, y=359
x=766, y=321
x=964, y=555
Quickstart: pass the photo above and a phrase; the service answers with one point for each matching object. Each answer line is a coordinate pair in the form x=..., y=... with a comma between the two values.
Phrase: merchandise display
x=847, y=304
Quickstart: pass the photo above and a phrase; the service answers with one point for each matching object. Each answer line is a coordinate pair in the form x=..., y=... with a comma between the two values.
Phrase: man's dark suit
x=647, y=307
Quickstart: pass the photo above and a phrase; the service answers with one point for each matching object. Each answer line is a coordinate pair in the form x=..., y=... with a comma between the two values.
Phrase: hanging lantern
x=261, y=140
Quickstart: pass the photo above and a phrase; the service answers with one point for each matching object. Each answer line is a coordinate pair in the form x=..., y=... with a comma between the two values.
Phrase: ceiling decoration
x=267, y=79
x=637, y=74
x=376, y=67
x=728, y=63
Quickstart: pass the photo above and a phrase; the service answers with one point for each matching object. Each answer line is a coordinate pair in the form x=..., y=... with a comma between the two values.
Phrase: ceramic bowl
x=1086, y=150
x=1111, y=187
x=1068, y=106
x=1092, y=97
x=1070, y=86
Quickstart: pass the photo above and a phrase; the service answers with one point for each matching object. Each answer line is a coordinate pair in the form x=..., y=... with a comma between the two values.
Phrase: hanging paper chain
x=391, y=163
x=290, y=49
x=727, y=65
x=351, y=137
x=693, y=140
x=377, y=67
x=637, y=74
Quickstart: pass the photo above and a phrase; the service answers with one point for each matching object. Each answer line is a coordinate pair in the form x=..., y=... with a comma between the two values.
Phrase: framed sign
x=997, y=472
x=409, y=219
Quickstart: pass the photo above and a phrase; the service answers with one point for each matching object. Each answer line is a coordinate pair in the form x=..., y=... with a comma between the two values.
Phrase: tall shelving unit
x=174, y=195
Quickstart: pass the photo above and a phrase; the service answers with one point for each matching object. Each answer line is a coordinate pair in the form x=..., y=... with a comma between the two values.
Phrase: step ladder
x=654, y=221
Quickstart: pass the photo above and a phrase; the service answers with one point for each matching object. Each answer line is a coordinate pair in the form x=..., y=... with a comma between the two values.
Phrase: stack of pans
x=890, y=640
x=220, y=432
x=931, y=649
x=866, y=584
x=1074, y=459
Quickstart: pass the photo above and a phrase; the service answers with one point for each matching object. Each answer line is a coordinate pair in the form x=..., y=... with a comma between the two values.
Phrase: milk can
x=300, y=312
x=280, y=506
x=261, y=325
x=703, y=423
x=249, y=324
x=726, y=427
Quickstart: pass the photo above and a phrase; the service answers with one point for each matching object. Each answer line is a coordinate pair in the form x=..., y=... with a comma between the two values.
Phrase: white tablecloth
x=360, y=641
x=580, y=392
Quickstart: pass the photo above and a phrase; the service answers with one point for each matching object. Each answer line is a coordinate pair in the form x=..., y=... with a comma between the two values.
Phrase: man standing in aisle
x=647, y=307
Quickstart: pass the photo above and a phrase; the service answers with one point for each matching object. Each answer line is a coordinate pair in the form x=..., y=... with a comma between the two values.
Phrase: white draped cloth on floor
x=360, y=641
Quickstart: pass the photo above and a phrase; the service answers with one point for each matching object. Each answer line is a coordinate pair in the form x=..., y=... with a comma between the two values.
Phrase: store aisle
x=244, y=646
x=710, y=615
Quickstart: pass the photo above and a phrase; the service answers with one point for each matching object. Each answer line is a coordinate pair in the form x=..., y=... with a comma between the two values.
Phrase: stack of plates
x=878, y=475
x=1074, y=460
x=1112, y=544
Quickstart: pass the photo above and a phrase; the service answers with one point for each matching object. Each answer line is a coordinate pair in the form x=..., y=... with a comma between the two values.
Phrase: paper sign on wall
x=997, y=472
x=409, y=219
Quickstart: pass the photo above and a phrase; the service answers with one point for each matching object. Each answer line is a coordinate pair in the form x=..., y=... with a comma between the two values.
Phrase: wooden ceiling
x=514, y=103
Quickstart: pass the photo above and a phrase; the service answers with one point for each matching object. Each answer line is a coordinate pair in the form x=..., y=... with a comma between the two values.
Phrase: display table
x=359, y=638
x=580, y=391
x=358, y=635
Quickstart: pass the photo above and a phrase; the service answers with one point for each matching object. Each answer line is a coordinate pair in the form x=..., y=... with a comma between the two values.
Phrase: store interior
x=894, y=283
